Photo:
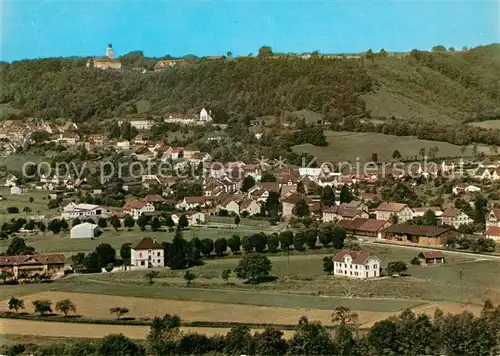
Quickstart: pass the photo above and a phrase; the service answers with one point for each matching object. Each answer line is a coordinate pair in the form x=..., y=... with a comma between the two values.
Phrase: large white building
x=73, y=210
x=356, y=264
x=148, y=253
x=83, y=231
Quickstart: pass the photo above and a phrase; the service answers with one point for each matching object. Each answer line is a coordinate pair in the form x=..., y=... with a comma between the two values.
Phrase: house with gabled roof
x=250, y=207
x=289, y=203
x=189, y=203
x=493, y=218
x=364, y=227
x=147, y=253
x=356, y=264
x=428, y=258
x=488, y=173
x=30, y=265
x=417, y=235
x=402, y=211
x=455, y=217
x=335, y=213
x=136, y=208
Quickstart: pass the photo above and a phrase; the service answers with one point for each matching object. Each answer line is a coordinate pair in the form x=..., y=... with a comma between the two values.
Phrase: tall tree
x=301, y=209
x=327, y=196
x=345, y=194
x=253, y=267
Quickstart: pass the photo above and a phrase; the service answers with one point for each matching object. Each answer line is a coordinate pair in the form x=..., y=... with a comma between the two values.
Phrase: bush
x=12, y=210
x=415, y=261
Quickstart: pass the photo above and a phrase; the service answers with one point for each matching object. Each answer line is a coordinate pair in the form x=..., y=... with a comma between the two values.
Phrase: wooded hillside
x=462, y=86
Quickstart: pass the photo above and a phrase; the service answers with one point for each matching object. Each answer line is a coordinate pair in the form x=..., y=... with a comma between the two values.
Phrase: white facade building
x=205, y=116
x=17, y=190
x=83, y=231
x=73, y=210
x=356, y=264
x=147, y=254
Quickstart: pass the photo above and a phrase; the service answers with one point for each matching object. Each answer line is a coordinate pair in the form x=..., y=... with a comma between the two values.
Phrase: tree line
x=405, y=334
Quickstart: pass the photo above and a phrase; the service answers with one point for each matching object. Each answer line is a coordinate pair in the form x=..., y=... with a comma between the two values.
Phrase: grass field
x=301, y=288
x=93, y=331
x=39, y=205
x=489, y=124
x=62, y=243
x=349, y=146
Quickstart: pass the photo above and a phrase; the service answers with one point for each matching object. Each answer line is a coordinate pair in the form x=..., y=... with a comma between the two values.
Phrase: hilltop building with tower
x=107, y=62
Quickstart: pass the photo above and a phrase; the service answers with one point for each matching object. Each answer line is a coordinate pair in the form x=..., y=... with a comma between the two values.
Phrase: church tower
x=109, y=52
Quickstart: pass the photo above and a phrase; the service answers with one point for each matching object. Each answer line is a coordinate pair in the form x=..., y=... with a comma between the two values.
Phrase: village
x=287, y=196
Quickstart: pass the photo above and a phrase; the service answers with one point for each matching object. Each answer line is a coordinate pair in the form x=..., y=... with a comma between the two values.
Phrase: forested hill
x=454, y=86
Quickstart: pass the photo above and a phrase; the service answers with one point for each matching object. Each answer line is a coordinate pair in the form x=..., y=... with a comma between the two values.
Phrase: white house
x=463, y=188
x=136, y=208
x=73, y=210
x=148, y=253
x=251, y=207
x=493, y=218
x=123, y=145
x=195, y=218
x=455, y=217
x=11, y=181
x=402, y=211
x=142, y=123
x=83, y=231
x=17, y=190
x=205, y=116
x=356, y=264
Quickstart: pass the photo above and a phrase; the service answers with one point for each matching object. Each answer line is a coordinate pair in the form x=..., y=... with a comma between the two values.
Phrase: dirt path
x=55, y=329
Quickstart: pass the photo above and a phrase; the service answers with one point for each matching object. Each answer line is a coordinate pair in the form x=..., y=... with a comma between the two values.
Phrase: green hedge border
x=81, y=320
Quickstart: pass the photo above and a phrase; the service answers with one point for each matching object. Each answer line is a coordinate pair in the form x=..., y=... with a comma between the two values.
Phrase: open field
x=348, y=146
x=13, y=339
x=293, y=294
x=39, y=205
x=189, y=310
x=62, y=243
x=488, y=124
x=95, y=331
x=305, y=277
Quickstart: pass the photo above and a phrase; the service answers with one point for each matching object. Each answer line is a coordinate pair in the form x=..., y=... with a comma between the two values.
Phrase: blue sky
x=33, y=29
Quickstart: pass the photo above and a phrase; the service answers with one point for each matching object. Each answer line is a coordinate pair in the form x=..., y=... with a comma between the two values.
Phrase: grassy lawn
x=345, y=146
x=272, y=299
x=61, y=243
x=303, y=274
x=39, y=205
x=488, y=124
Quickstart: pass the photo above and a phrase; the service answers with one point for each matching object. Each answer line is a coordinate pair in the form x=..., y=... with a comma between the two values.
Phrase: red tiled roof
x=496, y=212
x=392, y=207
x=360, y=224
x=296, y=197
x=199, y=200
x=32, y=259
x=429, y=231
x=153, y=198
x=493, y=231
x=269, y=186
x=148, y=243
x=358, y=257
x=134, y=204
x=450, y=213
